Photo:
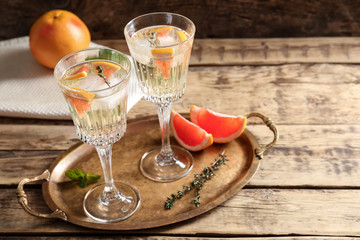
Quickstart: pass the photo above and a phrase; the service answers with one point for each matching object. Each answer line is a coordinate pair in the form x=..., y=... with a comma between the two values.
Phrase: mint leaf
x=92, y=177
x=83, y=182
x=81, y=177
x=72, y=175
x=80, y=173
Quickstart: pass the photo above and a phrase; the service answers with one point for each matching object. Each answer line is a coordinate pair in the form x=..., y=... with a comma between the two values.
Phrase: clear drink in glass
x=160, y=44
x=94, y=83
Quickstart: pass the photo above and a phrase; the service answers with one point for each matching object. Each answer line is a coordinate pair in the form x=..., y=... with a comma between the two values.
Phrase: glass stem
x=110, y=191
x=164, y=113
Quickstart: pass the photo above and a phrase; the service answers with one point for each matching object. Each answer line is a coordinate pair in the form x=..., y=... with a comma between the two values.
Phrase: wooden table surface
x=307, y=186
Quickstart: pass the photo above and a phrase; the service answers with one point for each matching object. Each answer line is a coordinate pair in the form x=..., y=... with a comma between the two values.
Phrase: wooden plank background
x=307, y=185
x=214, y=19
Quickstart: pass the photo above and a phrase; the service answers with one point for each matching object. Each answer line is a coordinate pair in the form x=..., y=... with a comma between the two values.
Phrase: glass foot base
x=117, y=209
x=180, y=165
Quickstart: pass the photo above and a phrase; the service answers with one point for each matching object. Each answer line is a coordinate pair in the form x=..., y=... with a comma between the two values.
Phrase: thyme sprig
x=198, y=183
x=152, y=39
x=100, y=73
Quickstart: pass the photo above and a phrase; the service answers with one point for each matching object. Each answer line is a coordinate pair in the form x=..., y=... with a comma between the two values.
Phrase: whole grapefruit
x=55, y=34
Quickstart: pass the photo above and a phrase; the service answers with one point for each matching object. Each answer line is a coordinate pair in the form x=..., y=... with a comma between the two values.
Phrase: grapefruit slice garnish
x=189, y=135
x=163, y=60
x=80, y=73
x=81, y=106
x=107, y=68
x=162, y=52
x=162, y=31
x=182, y=36
x=83, y=93
x=224, y=128
x=81, y=101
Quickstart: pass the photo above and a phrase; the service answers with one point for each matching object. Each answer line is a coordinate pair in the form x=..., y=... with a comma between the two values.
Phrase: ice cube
x=167, y=40
x=91, y=82
x=110, y=102
x=142, y=42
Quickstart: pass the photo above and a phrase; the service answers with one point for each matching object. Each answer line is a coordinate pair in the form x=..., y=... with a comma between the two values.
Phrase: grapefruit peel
x=81, y=101
x=161, y=32
x=163, y=60
x=224, y=128
x=189, y=135
x=80, y=73
x=181, y=35
x=163, y=57
x=107, y=68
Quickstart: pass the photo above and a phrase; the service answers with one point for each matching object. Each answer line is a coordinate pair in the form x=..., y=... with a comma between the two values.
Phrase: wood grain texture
x=16, y=164
x=304, y=156
x=289, y=94
x=213, y=19
x=307, y=186
x=140, y=237
x=36, y=137
x=250, y=212
x=261, y=51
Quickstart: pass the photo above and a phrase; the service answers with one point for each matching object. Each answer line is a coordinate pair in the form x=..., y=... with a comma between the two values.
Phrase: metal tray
x=65, y=197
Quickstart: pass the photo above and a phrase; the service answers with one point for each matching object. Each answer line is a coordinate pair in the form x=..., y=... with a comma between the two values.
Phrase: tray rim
x=255, y=164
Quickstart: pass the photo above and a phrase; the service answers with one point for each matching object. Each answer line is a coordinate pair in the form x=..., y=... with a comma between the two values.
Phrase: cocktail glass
x=160, y=44
x=94, y=82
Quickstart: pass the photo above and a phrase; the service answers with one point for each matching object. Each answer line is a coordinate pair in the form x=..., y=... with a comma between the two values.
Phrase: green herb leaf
x=73, y=175
x=100, y=73
x=92, y=177
x=83, y=182
x=82, y=177
x=80, y=173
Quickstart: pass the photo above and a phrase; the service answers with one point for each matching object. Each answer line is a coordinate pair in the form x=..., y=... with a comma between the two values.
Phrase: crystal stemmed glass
x=160, y=45
x=93, y=82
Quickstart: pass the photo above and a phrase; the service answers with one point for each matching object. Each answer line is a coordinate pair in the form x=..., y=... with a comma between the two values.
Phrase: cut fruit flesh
x=162, y=31
x=107, y=65
x=163, y=59
x=189, y=135
x=107, y=68
x=81, y=106
x=86, y=95
x=81, y=101
x=182, y=36
x=80, y=73
x=77, y=76
x=224, y=128
x=162, y=52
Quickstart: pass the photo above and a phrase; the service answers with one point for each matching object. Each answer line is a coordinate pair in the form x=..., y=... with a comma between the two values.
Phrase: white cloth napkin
x=27, y=89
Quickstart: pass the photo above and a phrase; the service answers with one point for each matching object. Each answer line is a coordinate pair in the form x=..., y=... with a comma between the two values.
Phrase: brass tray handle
x=259, y=152
x=22, y=198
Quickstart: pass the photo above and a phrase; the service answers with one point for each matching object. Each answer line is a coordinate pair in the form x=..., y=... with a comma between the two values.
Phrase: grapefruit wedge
x=81, y=101
x=163, y=58
x=107, y=68
x=80, y=73
x=189, y=135
x=162, y=31
x=224, y=128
